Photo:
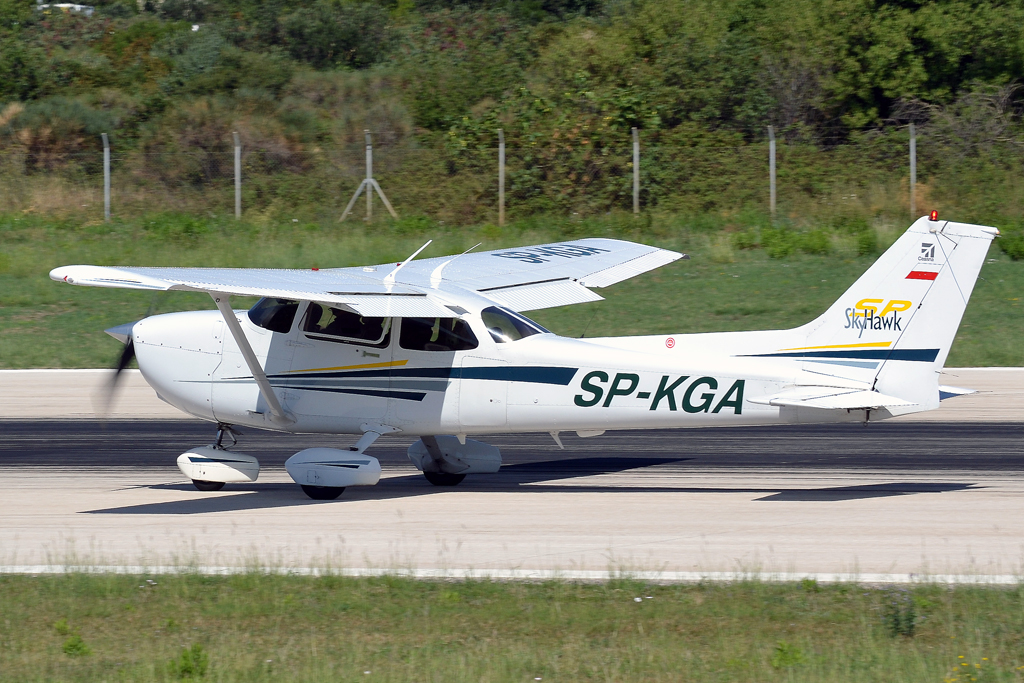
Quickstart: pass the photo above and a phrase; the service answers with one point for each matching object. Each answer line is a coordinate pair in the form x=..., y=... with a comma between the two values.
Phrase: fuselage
x=484, y=382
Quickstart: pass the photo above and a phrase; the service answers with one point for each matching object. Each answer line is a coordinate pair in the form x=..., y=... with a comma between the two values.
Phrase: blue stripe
x=515, y=373
x=917, y=355
x=383, y=393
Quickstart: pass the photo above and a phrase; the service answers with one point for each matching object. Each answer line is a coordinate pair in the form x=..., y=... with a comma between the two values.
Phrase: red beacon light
x=933, y=216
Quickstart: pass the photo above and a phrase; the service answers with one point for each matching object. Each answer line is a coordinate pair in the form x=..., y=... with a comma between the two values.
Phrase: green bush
x=779, y=242
x=1011, y=241
x=192, y=662
x=76, y=647
x=815, y=242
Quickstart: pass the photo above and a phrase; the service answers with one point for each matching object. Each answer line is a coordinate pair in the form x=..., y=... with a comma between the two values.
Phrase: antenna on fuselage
x=390, y=278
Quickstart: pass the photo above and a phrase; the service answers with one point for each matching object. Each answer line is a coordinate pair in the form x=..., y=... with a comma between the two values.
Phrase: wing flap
x=831, y=398
x=536, y=295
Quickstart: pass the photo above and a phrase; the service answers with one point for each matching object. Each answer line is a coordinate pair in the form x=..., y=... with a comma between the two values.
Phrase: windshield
x=275, y=315
x=506, y=326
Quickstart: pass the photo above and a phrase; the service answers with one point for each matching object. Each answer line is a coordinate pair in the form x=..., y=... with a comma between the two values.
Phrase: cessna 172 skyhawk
x=438, y=348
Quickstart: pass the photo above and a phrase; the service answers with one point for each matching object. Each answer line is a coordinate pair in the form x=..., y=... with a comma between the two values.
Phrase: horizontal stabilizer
x=946, y=391
x=831, y=398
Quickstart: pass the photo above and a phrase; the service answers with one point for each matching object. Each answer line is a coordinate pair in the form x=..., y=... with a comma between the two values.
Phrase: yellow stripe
x=866, y=345
x=365, y=366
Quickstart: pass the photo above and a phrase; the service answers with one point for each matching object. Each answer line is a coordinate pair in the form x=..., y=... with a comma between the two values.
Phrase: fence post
x=238, y=177
x=913, y=171
x=636, y=172
x=369, y=185
x=501, y=177
x=369, y=176
x=771, y=169
x=106, y=177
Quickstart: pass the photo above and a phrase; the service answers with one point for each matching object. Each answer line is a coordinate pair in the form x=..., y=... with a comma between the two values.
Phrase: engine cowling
x=208, y=463
x=333, y=468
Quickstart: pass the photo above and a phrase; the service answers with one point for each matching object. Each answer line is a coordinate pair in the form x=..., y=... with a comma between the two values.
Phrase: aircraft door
x=267, y=327
x=483, y=392
x=340, y=366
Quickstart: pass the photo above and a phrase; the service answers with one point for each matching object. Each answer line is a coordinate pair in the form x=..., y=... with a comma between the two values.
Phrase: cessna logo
x=545, y=254
x=699, y=396
x=876, y=314
x=927, y=252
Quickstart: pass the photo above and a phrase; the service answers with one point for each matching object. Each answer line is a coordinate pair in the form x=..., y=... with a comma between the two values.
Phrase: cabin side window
x=275, y=315
x=436, y=334
x=337, y=325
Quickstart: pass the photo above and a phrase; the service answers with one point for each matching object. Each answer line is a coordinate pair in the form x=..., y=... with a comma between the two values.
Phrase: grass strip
x=47, y=324
x=255, y=627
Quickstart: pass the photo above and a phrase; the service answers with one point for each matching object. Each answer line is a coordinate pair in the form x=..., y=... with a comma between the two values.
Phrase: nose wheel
x=207, y=485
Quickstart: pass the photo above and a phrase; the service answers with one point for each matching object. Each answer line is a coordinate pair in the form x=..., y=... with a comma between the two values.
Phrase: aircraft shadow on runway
x=518, y=478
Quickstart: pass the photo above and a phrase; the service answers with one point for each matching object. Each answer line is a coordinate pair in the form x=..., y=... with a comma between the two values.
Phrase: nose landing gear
x=210, y=467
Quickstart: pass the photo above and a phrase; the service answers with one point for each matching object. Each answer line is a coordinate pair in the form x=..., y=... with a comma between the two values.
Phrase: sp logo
x=670, y=342
x=893, y=306
x=877, y=314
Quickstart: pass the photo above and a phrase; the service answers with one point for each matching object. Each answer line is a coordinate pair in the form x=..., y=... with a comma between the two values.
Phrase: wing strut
x=276, y=411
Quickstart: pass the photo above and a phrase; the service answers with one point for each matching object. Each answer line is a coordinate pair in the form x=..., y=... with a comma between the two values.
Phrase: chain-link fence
x=460, y=187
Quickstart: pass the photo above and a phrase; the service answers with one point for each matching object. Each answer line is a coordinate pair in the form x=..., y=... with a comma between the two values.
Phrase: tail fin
x=894, y=326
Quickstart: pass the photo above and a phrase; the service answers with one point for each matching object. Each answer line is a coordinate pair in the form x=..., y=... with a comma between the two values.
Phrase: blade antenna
x=435, y=277
x=390, y=278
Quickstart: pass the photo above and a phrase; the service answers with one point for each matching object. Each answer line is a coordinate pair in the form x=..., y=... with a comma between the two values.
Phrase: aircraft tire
x=207, y=485
x=322, y=492
x=443, y=478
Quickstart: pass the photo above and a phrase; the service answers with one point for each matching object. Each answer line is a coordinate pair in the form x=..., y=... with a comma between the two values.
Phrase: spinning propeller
x=122, y=333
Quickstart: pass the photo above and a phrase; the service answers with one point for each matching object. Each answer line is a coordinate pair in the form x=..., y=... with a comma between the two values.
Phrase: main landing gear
x=444, y=478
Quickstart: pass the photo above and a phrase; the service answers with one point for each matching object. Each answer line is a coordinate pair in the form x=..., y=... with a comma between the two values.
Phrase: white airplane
x=439, y=348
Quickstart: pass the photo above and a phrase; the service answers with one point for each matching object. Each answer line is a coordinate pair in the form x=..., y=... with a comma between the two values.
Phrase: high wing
x=525, y=278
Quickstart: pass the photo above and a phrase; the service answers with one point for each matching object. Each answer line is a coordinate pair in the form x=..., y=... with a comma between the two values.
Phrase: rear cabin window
x=506, y=326
x=275, y=315
x=335, y=324
x=436, y=334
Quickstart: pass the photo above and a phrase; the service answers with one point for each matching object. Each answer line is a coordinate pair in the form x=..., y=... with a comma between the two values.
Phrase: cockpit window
x=436, y=334
x=346, y=325
x=275, y=315
x=506, y=326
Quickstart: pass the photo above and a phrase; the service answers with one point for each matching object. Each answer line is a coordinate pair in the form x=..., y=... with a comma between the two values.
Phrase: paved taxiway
x=890, y=498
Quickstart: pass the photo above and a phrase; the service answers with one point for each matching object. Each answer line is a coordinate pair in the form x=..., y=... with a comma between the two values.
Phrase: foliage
x=74, y=646
x=192, y=662
x=900, y=614
x=267, y=626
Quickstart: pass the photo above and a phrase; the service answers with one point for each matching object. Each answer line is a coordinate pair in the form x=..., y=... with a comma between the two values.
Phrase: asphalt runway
x=883, y=499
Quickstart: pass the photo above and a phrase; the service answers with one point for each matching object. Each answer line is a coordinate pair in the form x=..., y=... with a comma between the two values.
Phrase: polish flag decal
x=922, y=275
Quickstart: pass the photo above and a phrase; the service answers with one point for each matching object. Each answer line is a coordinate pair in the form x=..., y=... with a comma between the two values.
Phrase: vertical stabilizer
x=894, y=326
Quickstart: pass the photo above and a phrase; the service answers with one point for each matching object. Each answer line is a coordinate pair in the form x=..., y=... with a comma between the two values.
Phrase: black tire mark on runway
x=924, y=447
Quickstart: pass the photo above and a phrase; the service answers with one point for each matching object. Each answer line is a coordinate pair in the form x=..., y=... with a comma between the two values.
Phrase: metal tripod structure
x=369, y=185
